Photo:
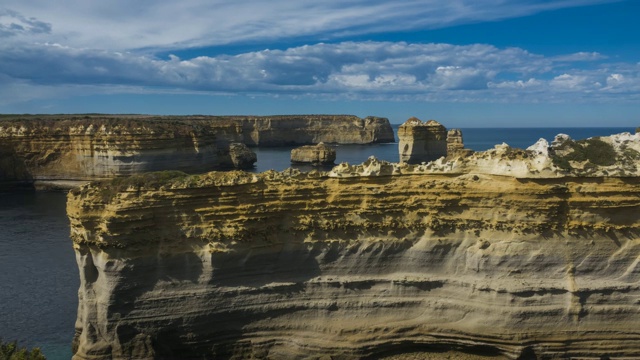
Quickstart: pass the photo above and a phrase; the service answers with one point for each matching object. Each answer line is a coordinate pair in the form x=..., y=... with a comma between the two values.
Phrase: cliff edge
x=509, y=253
x=59, y=148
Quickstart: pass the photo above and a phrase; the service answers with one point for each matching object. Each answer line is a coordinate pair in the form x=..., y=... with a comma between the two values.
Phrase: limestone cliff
x=314, y=154
x=313, y=129
x=505, y=253
x=101, y=146
x=421, y=141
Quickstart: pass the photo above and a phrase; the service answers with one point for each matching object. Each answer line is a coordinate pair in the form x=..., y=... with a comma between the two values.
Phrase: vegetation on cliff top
x=595, y=151
x=11, y=351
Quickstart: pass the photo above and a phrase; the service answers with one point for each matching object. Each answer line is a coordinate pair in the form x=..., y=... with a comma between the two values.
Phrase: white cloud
x=165, y=24
x=363, y=70
x=581, y=56
x=519, y=84
x=572, y=82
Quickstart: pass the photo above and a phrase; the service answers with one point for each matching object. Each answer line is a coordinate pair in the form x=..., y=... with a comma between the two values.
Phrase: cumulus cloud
x=358, y=70
x=165, y=24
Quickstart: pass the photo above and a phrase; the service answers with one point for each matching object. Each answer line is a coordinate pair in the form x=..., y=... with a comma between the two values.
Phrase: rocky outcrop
x=502, y=253
x=420, y=142
x=79, y=148
x=455, y=144
x=320, y=154
x=241, y=157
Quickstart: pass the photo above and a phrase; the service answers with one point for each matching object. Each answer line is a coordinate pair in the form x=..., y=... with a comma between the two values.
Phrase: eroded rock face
x=241, y=157
x=313, y=129
x=420, y=142
x=455, y=144
x=61, y=148
x=314, y=154
x=501, y=251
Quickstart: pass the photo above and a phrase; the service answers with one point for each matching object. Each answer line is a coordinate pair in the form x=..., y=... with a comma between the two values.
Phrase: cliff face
x=421, y=141
x=103, y=146
x=361, y=261
x=313, y=129
x=84, y=149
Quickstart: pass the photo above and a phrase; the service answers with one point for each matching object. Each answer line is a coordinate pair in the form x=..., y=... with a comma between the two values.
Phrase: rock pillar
x=421, y=141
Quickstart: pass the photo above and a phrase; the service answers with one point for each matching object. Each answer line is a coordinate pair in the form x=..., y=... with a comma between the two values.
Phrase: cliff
x=60, y=147
x=312, y=129
x=508, y=253
x=420, y=142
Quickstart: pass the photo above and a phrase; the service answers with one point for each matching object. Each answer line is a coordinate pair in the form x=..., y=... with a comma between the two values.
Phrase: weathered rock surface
x=63, y=148
x=420, y=142
x=101, y=148
x=501, y=253
x=313, y=129
x=314, y=154
x=241, y=157
x=455, y=144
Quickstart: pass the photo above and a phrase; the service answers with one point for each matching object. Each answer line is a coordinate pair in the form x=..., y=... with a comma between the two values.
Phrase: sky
x=465, y=63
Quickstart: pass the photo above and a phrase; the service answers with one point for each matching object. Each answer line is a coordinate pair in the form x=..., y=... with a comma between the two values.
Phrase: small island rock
x=319, y=154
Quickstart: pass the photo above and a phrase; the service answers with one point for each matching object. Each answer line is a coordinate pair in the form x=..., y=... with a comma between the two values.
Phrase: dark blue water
x=38, y=273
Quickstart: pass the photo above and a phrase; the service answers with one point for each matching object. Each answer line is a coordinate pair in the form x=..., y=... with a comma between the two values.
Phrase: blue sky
x=466, y=63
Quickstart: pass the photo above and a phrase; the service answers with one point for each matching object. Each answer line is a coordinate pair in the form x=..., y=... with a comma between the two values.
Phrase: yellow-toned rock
x=482, y=254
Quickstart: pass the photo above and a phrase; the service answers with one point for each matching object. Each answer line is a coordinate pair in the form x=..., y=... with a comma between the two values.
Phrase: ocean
x=38, y=274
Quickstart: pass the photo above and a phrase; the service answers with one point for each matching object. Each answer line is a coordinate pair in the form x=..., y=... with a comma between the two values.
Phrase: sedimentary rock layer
x=361, y=261
x=314, y=154
x=102, y=146
x=420, y=142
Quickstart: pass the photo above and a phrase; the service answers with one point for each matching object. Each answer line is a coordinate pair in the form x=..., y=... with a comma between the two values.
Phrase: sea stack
x=319, y=154
x=455, y=144
x=241, y=156
x=421, y=141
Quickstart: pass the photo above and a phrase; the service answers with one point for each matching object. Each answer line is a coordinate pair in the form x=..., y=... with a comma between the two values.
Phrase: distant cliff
x=514, y=253
x=85, y=147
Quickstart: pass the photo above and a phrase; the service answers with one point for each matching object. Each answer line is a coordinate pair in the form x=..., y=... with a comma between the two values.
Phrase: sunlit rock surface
x=509, y=253
x=314, y=154
x=420, y=142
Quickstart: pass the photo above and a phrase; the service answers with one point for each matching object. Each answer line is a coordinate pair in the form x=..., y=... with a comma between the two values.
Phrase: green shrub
x=594, y=150
x=11, y=351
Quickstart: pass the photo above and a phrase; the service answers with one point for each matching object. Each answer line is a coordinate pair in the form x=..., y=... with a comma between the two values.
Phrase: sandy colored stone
x=314, y=154
x=499, y=254
x=63, y=148
x=420, y=142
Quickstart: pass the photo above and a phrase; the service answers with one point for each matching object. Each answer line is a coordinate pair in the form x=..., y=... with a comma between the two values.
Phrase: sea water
x=38, y=274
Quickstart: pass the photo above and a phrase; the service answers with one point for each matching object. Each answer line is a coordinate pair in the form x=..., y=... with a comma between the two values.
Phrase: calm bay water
x=38, y=273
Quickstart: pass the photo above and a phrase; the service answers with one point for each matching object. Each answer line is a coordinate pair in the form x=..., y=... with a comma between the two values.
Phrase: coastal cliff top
x=75, y=124
x=611, y=156
x=414, y=121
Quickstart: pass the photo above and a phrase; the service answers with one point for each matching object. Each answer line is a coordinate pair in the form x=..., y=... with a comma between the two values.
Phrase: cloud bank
x=69, y=48
x=358, y=70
